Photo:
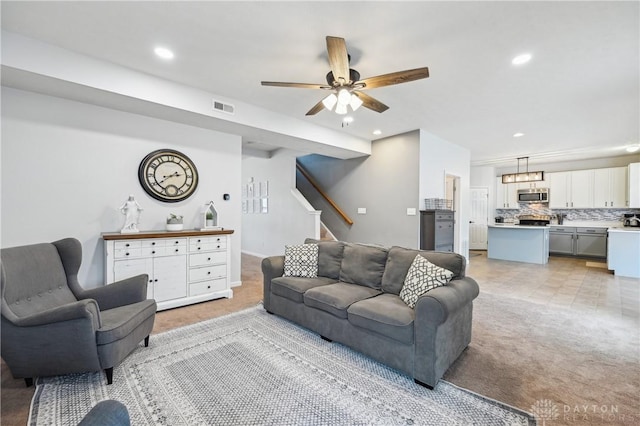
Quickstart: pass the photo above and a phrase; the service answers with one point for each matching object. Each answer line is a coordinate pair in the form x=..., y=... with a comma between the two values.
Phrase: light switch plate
x=362, y=210
x=411, y=211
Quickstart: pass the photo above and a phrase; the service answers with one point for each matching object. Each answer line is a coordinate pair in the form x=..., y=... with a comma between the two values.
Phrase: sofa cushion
x=293, y=288
x=329, y=257
x=363, y=265
x=399, y=260
x=336, y=298
x=301, y=260
x=385, y=314
x=422, y=277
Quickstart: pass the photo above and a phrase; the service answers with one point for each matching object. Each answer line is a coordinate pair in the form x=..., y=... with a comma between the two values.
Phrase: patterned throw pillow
x=301, y=261
x=422, y=277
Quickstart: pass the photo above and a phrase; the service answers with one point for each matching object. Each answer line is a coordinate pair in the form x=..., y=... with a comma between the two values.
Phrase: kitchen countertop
x=512, y=226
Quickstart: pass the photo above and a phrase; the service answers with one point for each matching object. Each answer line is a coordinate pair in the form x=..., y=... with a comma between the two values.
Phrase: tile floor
x=564, y=282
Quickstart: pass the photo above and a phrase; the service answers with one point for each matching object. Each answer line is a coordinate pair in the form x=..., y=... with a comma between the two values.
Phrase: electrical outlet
x=411, y=211
x=362, y=210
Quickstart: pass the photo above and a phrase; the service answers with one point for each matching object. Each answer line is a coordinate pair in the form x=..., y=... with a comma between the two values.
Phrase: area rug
x=252, y=368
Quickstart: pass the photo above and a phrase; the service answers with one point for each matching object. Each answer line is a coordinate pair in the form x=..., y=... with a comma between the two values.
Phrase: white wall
x=67, y=167
x=439, y=158
x=289, y=221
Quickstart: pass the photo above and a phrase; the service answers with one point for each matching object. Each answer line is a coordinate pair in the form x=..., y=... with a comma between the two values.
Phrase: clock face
x=168, y=175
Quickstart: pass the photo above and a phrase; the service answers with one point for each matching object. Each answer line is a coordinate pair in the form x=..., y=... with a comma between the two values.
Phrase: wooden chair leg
x=146, y=342
x=109, y=373
x=28, y=381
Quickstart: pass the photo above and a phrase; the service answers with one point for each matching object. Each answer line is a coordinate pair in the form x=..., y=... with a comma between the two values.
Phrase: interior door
x=479, y=220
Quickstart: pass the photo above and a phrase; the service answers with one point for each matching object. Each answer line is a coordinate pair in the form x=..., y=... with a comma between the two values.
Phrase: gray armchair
x=52, y=326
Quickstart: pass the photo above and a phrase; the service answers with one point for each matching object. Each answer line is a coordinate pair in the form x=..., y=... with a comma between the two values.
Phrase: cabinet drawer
x=558, y=230
x=444, y=216
x=205, y=287
x=591, y=230
x=126, y=253
x=207, y=273
x=125, y=245
x=203, y=259
x=207, y=244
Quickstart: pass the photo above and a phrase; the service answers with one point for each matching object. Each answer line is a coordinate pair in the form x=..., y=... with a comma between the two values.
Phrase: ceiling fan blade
x=394, y=78
x=316, y=109
x=338, y=58
x=296, y=85
x=370, y=102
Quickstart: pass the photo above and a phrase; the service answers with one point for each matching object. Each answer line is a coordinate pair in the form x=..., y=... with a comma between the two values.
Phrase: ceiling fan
x=345, y=84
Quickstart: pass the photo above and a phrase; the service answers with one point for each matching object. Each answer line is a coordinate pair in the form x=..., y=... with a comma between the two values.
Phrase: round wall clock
x=168, y=175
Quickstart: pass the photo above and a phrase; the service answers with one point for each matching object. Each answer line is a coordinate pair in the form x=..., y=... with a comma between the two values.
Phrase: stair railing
x=324, y=195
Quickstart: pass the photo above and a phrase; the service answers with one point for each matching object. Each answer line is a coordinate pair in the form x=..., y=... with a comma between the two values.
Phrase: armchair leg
x=109, y=373
x=146, y=342
x=423, y=384
x=28, y=381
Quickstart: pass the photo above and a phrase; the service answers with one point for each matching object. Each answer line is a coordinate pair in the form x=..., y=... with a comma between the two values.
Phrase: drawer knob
x=218, y=239
x=218, y=246
x=208, y=258
x=153, y=252
x=126, y=254
x=177, y=242
x=209, y=273
x=126, y=245
x=198, y=240
x=156, y=280
x=208, y=286
x=199, y=248
x=177, y=250
x=153, y=243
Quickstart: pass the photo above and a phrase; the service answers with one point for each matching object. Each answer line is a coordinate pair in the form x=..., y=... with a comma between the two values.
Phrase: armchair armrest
x=437, y=305
x=272, y=267
x=120, y=293
x=86, y=308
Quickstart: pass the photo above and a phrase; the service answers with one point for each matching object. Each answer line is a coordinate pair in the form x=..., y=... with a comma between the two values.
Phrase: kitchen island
x=624, y=252
x=518, y=243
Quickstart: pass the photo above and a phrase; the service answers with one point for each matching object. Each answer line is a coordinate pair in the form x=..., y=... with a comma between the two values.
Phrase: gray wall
x=386, y=184
x=67, y=167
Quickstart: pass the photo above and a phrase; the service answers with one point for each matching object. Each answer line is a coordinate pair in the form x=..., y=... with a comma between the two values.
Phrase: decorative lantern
x=209, y=217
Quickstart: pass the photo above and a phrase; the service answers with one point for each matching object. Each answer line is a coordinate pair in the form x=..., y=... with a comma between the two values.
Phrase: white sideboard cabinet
x=184, y=267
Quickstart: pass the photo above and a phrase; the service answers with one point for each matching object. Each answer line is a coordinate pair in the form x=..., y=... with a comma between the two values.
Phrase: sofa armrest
x=272, y=267
x=437, y=305
x=120, y=293
x=82, y=309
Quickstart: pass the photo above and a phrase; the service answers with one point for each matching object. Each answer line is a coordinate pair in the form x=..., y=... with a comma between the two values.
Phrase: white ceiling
x=579, y=97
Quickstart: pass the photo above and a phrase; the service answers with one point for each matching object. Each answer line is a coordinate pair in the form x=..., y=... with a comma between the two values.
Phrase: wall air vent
x=222, y=107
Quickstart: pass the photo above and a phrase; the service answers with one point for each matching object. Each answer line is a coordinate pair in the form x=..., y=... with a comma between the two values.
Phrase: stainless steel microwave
x=533, y=195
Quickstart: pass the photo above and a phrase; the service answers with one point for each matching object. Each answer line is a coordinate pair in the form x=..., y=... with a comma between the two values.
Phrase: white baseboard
x=236, y=284
x=260, y=255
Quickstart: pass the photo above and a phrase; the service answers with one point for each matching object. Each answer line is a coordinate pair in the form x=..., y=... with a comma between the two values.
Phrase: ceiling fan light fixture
x=341, y=109
x=344, y=97
x=330, y=101
x=356, y=102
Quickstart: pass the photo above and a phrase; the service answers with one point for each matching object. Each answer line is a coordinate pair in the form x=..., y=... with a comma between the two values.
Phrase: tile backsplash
x=601, y=215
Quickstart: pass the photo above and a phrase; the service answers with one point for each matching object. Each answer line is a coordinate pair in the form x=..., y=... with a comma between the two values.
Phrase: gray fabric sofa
x=354, y=301
x=51, y=325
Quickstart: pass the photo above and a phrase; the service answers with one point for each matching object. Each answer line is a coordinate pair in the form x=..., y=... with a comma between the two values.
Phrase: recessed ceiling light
x=518, y=135
x=163, y=52
x=521, y=59
x=633, y=148
x=377, y=132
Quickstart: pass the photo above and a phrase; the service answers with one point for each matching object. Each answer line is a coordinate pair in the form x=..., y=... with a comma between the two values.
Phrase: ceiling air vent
x=222, y=107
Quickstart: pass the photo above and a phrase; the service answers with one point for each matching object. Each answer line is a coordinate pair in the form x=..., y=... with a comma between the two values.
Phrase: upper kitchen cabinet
x=570, y=189
x=610, y=187
x=506, y=195
x=634, y=185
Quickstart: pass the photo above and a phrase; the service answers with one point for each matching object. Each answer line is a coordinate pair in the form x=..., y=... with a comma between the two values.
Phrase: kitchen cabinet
x=436, y=230
x=633, y=185
x=624, y=252
x=506, y=195
x=184, y=267
x=578, y=241
x=610, y=187
x=571, y=189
